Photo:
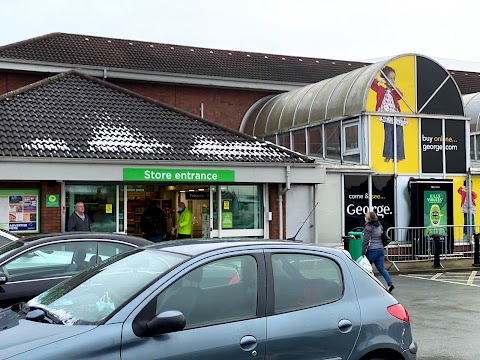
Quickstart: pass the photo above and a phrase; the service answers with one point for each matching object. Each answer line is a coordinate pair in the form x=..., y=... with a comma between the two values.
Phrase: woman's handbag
x=385, y=238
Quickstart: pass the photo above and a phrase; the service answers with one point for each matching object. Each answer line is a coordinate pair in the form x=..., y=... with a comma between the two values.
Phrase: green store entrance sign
x=178, y=175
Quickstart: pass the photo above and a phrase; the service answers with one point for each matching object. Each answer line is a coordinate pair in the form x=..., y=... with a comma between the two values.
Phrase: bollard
x=437, y=249
x=476, y=260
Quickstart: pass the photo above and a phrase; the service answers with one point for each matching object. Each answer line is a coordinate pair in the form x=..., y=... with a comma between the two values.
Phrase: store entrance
x=196, y=197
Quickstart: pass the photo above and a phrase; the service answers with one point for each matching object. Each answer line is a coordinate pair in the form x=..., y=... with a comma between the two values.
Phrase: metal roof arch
x=345, y=96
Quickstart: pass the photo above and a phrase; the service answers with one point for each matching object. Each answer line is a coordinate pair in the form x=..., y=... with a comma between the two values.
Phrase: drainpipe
x=281, y=192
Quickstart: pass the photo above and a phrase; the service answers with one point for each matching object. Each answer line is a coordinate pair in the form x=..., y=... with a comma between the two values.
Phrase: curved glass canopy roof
x=472, y=110
x=345, y=96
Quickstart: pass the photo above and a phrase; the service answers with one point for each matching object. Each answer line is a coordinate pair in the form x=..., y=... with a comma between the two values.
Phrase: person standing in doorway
x=78, y=221
x=184, y=227
x=372, y=246
x=153, y=222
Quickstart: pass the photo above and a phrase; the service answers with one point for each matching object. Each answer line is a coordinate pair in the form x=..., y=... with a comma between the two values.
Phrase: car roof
x=9, y=235
x=194, y=247
x=76, y=235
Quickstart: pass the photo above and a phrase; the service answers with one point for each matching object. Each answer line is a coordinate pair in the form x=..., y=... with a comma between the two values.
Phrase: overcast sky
x=332, y=29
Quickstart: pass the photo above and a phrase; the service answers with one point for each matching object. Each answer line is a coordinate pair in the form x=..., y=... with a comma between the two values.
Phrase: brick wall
x=273, y=205
x=51, y=217
x=224, y=106
x=13, y=80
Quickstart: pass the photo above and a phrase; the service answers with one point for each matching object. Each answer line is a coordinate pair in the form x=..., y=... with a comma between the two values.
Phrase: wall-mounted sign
x=197, y=195
x=19, y=210
x=356, y=200
x=227, y=220
x=432, y=146
x=178, y=175
x=108, y=208
x=52, y=200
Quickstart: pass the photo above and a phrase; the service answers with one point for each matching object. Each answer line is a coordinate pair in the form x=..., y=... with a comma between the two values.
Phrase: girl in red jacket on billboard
x=462, y=190
x=388, y=97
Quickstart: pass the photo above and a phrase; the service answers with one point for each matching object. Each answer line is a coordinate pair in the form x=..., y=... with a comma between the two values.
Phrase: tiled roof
x=84, y=50
x=146, y=56
x=75, y=116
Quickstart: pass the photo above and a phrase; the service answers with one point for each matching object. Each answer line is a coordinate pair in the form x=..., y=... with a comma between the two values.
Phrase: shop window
x=477, y=147
x=271, y=138
x=100, y=202
x=299, y=141
x=473, y=147
x=284, y=140
x=351, y=141
x=332, y=140
x=315, y=141
x=241, y=206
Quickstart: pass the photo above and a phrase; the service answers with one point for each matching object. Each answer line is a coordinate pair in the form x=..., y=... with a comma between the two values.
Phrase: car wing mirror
x=166, y=322
x=3, y=280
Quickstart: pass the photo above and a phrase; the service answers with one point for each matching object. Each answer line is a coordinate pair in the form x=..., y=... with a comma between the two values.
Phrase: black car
x=33, y=264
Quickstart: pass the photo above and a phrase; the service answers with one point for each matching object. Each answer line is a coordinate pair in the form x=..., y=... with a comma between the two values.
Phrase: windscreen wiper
x=39, y=314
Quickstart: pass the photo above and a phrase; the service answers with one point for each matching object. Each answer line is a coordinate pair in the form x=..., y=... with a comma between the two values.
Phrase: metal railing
x=412, y=244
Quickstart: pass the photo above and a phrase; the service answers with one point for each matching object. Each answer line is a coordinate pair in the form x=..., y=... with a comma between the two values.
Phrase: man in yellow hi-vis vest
x=184, y=227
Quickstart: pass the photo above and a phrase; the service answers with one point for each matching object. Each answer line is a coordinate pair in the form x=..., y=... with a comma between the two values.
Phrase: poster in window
x=19, y=210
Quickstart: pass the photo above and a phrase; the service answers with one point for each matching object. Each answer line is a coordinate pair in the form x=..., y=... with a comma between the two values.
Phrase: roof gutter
x=150, y=76
x=136, y=162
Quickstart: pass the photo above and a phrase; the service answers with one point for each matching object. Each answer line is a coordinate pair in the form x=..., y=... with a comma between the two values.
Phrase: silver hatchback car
x=213, y=299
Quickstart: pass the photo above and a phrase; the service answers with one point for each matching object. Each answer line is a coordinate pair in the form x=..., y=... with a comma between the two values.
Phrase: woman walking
x=372, y=246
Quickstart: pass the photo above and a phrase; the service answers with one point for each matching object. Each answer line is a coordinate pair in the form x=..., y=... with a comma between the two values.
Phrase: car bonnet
x=19, y=335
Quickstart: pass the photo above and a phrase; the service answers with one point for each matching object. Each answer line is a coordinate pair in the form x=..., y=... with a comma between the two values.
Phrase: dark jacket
x=153, y=222
x=75, y=223
x=372, y=236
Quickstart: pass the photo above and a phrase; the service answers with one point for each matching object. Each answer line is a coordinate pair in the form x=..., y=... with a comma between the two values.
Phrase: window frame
x=150, y=308
x=271, y=281
x=345, y=127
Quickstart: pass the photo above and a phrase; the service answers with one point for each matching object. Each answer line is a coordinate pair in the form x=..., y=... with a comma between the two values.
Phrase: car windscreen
x=93, y=295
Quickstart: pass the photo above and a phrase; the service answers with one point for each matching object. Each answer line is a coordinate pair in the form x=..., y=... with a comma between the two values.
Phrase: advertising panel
x=19, y=210
x=432, y=146
x=461, y=206
x=356, y=200
x=394, y=137
x=434, y=208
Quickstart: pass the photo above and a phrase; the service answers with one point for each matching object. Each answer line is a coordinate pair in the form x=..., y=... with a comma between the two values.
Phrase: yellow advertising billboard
x=460, y=204
x=393, y=91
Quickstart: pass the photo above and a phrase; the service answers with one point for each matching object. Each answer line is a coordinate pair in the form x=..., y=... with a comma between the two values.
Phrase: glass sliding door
x=238, y=211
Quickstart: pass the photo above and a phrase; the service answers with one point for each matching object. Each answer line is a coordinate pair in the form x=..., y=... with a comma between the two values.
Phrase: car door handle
x=345, y=325
x=248, y=343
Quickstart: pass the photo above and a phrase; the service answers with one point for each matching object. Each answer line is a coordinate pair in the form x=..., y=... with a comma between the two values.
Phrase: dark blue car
x=213, y=299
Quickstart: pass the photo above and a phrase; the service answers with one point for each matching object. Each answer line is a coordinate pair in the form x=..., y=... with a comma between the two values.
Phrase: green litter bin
x=355, y=244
